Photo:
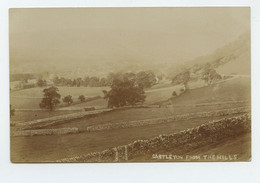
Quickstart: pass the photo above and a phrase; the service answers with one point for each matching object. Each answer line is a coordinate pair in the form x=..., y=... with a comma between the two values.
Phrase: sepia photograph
x=130, y=84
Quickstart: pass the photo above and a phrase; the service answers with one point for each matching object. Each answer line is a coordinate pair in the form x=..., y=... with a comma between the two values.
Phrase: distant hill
x=240, y=65
x=233, y=58
x=238, y=50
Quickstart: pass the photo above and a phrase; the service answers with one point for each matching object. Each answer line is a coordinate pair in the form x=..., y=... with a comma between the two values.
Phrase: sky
x=109, y=35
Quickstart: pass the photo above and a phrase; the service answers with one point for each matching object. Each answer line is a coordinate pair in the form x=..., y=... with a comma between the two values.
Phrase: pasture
x=237, y=89
x=30, y=98
x=53, y=147
x=240, y=146
x=49, y=148
x=26, y=102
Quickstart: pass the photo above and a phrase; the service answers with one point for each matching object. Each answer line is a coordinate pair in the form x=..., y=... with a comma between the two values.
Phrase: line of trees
x=51, y=98
x=144, y=78
x=87, y=81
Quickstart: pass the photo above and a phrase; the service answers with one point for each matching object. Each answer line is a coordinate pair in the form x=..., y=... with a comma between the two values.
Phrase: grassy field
x=239, y=146
x=74, y=91
x=39, y=114
x=140, y=114
x=237, y=89
x=51, y=148
x=30, y=98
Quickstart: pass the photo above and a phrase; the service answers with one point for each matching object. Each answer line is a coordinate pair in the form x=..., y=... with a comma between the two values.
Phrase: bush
x=68, y=99
x=82, y=98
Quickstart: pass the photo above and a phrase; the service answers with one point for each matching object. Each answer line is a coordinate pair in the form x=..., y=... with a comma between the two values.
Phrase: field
x=30, y=98
x=53, y=147
x=123, y=126
x=237, y=89
x=26, y=102
x=28, y=115
x=239, y=146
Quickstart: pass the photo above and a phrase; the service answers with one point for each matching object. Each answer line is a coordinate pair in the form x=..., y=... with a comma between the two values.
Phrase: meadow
x=30, y=98
x=53, y=147
x=49, y=148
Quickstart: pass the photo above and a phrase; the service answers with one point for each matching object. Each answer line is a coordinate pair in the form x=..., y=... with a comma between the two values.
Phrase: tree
x=146, y=79
x=93, y=81
x=79, y=82
x=50, y=98
x=103, y=82
x=124, y=92
x=11, y=111
x=68, y=99
x=74, y=82
x=210, y=75
x=41, y=82
x=56, y=80
x=86, y=81
x=82, y=98
x=182, y=78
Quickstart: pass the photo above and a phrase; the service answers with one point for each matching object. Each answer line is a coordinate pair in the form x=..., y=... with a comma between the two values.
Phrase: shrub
x=82, y=98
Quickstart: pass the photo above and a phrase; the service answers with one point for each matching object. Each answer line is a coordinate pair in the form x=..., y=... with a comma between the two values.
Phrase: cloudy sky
x=91, y=35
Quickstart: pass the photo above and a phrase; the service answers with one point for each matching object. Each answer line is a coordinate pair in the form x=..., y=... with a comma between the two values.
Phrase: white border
x=135, y=172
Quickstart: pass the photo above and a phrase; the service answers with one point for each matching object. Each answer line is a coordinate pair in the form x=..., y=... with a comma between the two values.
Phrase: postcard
x=161, y=84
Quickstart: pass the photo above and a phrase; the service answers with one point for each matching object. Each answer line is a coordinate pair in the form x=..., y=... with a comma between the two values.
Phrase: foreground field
x=238, y=147
x=49, y=148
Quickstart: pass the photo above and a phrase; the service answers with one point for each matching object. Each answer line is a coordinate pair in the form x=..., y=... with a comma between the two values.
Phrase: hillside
x=240, y=65
x=238, y=50
x=237, y=89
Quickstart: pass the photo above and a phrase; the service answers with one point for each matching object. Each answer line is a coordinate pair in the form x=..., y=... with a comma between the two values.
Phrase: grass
x=51, y=148
x=98, y=103
x=160, y=94
x=124, y=115
x=30, y=98
x=32, y=115
x=238, y=89
x=239, y=146
x=73, y=91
